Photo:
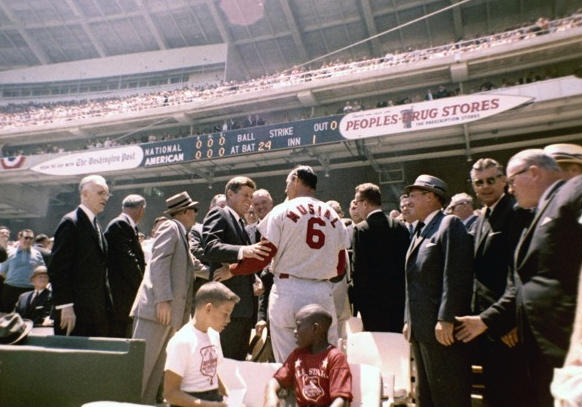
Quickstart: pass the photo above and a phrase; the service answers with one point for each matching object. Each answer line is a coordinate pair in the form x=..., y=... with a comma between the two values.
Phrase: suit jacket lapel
x=523, y=245
x=239, y=230
x=82, y=217
x=426, y=231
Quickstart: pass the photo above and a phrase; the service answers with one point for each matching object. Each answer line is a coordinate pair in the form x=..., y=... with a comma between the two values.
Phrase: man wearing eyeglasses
x=439, y=281
x=462, y=207
x=78, y=269
x=546, y=266
x=497, y=232
x=18, y=268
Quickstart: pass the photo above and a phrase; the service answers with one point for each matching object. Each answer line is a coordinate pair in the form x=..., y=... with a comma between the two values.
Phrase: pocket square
x=547, y=219
x=430, y=244
x=39, y=307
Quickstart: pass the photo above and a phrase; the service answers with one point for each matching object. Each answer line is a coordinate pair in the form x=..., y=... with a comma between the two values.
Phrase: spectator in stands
x=126, y=262
x=439, y=285
x=36, y=304
x=379, y=249
x=442, y=93
x=348, y=107
x=4, y=236
x=462, y=206
x=568, y=157
x=17, y=270
x=259, y=121
x=331, y=384
x=78, y=269
x=164, y=299
x=43, y=244
x=547, y=264
x=194, y=353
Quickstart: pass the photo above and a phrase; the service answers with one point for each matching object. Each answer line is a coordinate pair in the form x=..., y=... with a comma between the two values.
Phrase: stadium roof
x=265, y=36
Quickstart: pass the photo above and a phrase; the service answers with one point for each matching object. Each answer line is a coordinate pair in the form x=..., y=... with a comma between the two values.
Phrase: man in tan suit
x=164, y=299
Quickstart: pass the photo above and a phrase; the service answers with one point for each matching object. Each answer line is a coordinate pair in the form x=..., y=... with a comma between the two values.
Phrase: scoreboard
x=244, y=141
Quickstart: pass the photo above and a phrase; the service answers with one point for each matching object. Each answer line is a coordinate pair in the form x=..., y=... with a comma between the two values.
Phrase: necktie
x=98, y=230
x=418, y=229
x=242, y=229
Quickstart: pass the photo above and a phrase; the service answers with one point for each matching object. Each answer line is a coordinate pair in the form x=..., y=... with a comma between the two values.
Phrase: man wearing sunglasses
x=547, y=262
x=18, y=268
x=497, y=231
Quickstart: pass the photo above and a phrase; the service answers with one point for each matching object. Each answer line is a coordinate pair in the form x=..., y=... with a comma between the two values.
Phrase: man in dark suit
x=78, y=270
x=546, y=267
x=126, y=262
x=379, y=250
x=36, y=304
x=439, y=283
x=226, y=241
x=497, y=232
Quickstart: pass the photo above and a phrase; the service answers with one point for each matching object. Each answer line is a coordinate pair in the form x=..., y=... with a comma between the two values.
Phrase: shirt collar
x=88, y=212
x=430, y=216
x=492, y=207
x=181, y=226
x=236, y=215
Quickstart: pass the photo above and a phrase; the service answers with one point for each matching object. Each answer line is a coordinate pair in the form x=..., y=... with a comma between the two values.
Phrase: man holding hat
x=568, y=157
x=439, y=284
x=164, y=299
x=36, y=304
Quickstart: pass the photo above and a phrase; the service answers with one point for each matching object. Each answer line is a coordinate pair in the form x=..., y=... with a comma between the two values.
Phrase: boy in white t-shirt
x=194, y=352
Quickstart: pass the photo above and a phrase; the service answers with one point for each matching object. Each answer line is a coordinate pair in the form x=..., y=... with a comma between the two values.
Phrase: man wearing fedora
x=568, y=157
x=78, y=269
x=36, y=304
x=439, y=282
x=164, y=299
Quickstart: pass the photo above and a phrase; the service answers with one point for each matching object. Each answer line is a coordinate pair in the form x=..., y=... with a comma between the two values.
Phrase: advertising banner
x=330, y=129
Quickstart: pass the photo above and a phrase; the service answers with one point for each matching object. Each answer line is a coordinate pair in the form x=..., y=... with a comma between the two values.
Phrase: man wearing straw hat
x=164, y=299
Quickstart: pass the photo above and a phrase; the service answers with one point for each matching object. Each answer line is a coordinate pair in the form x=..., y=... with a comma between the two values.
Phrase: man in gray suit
x=164, y=299
x=439, y=284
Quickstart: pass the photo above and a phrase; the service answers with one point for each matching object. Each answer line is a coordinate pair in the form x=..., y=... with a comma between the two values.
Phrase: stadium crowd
x=30, y=114
x=503, y=278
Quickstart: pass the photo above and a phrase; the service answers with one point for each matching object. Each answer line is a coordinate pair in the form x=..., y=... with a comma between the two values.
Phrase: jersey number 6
x=315, y=238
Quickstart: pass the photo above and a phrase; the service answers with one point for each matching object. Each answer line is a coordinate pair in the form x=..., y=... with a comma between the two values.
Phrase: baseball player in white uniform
x=308, y=235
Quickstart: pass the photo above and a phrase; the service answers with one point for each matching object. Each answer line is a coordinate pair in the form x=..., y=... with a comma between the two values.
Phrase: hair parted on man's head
x=483, y=164
x=370, y=193
x=236, y=183
x=215, y=293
